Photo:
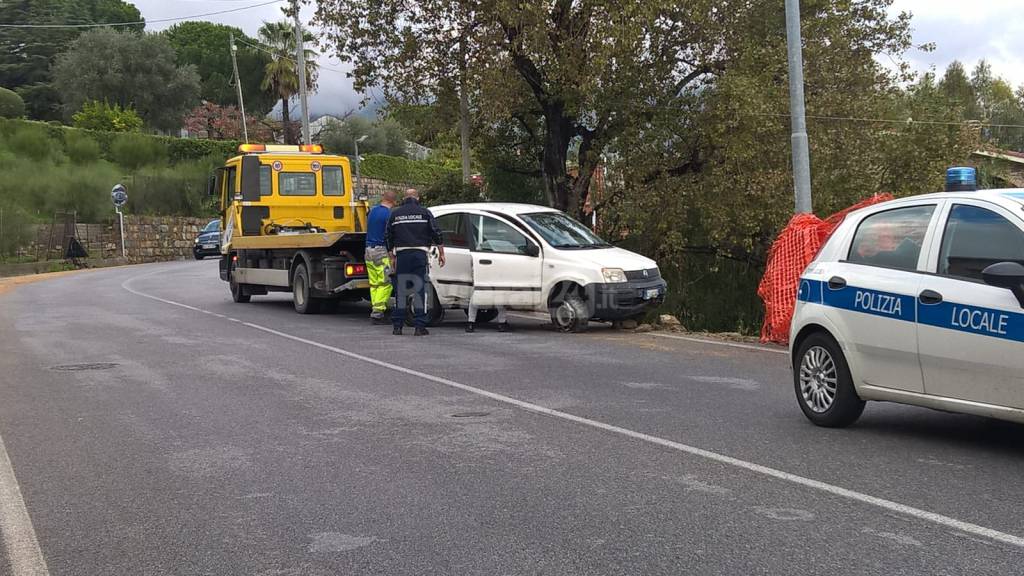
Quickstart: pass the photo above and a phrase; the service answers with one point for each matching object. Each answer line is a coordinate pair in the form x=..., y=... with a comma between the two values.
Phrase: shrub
x=11, y=105
x=31, y=142
x=395, y=169
x=134, y=151
x=451, y=190
x=81, y=148
x=102, y=116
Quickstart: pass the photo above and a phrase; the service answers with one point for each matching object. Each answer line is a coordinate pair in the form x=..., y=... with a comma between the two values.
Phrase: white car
x=917, y=301
x=535, y=258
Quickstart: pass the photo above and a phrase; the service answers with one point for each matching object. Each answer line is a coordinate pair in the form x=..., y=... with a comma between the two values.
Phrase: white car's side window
x=975, y=238
x=891, y=239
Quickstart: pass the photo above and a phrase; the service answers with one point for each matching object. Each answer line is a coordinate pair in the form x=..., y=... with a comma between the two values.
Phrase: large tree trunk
x=558, y=136
x=286, y=122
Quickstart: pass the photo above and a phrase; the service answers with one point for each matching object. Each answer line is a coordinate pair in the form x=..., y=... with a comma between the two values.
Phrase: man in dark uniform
x=411, y=232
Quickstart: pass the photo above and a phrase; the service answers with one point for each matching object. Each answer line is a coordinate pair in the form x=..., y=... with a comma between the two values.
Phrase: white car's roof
x=1009, y=197
x=503, y=207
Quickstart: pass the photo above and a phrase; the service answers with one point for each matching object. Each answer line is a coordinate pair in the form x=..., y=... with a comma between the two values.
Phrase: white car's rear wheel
x=824, y=387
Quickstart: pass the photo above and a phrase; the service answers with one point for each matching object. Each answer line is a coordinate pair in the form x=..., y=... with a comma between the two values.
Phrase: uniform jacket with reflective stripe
x=411, y=225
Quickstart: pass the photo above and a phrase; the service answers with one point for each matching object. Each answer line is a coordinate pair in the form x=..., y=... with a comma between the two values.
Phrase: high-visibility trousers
x=380, y=283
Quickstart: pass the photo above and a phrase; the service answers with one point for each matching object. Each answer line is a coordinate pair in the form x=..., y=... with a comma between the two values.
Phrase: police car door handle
x=485, y=262
x=836, y=283
x=930, y=297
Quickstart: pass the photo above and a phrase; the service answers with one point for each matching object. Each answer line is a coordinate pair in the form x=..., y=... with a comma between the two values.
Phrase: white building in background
x=317, y=127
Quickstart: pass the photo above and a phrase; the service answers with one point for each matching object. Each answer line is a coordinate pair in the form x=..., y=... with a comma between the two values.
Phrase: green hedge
x=178, y=149
x=379, y=166
x=396, y=169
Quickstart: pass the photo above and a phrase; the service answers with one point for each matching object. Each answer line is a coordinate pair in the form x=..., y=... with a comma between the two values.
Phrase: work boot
x=504, y=327
x=422, y=332
x=397, y=331
x=378, y=318
x=470, y=327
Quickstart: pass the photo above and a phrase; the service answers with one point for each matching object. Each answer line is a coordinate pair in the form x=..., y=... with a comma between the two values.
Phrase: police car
x=917, y=301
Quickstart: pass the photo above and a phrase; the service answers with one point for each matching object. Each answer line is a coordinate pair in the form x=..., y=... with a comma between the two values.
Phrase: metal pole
x=300, y=63
x=238, y=85
x=359, y=180
x=801, y=155
x=120, y=218
x=463, y=112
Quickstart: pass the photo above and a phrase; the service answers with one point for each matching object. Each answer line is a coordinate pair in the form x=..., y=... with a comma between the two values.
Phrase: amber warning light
x=257, y=148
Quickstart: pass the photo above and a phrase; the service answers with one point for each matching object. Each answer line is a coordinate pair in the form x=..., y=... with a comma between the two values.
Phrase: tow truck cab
x=290, y=221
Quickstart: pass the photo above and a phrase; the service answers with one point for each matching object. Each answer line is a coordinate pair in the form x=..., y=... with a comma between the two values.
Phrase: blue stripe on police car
x=948, y=315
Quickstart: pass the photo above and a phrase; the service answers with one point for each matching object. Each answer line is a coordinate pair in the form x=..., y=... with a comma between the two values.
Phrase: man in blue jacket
x=378, y=265
x=411, y=232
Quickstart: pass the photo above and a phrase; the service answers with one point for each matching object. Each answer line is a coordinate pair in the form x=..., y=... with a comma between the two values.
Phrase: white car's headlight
x=613, y=274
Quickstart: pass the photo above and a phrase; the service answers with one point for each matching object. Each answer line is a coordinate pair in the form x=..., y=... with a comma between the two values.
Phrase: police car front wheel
x=824, y=387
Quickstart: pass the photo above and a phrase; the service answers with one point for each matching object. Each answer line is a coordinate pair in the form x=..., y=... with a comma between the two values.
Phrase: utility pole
x=238, y=85
x=464, y=109
x=801, y=155
x=359, y=179
x=300, y=62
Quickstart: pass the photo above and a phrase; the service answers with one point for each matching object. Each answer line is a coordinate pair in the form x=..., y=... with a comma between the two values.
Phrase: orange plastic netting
x=790, y=254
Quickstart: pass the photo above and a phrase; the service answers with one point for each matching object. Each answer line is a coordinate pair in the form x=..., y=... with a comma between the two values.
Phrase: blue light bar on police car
x=961, y=178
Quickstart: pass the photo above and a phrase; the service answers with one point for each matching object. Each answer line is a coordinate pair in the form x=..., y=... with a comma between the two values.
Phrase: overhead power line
x=156, y=21
x=972, y=123
x=283, y=56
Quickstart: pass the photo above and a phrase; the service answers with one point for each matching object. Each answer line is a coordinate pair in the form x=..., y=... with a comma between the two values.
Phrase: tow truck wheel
x=304, y=303
x=824, y=387
x=238, y=292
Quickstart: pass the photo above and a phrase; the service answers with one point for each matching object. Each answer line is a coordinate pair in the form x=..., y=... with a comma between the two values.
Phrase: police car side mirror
x=1009, y=275
x=532, y=250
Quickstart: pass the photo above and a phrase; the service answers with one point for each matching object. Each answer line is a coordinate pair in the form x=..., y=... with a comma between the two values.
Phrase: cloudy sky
x=965, y=31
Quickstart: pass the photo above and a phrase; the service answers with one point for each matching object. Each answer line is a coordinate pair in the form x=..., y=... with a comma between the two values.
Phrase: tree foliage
x=28, y=54
x=281, y=73
x=131, y=70
x=209, y=120
x=206, y=46
x=382, y=137
x=11, y=104
x=988, y=99
x=106, y=117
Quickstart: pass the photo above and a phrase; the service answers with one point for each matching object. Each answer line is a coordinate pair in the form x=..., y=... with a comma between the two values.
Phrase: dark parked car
x=208, y=241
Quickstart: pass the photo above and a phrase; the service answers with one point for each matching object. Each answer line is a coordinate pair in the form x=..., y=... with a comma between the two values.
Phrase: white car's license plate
x=209, y=246
x=651, y=294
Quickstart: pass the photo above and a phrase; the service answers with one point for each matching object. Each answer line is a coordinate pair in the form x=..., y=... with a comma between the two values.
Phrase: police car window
x=975, y=238
x=453, y=231
x=266, y=178
x=334, y=183
x=296, y=184
x=892, y=238
x=496, y=236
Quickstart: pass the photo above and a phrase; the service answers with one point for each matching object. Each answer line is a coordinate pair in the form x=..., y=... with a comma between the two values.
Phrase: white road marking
x=526, y=316
x=23, y=552
x=718, y=343
x=832, y=489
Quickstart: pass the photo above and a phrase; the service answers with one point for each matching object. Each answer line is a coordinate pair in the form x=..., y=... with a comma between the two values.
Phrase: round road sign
x=119, y=195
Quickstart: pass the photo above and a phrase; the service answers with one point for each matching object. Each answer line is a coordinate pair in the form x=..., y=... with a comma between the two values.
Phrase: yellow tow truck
x=290, y=222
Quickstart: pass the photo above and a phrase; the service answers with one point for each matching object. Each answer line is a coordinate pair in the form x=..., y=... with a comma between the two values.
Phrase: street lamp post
x=801, y=156
x=359, y=180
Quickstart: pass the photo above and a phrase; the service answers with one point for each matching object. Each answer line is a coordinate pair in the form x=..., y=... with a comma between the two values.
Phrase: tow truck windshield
x=563, y=232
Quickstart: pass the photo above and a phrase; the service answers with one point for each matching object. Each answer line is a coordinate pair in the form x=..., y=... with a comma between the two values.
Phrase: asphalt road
x=209, y=437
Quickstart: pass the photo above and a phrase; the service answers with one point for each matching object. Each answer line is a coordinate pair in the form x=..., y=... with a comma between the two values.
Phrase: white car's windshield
x=563, y=232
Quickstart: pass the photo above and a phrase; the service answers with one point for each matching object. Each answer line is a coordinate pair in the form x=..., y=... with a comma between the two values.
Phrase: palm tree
x=280, y=76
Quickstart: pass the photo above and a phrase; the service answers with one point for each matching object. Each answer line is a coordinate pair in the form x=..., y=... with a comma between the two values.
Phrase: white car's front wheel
x=824, y=387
